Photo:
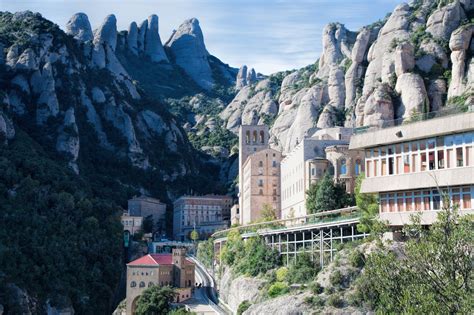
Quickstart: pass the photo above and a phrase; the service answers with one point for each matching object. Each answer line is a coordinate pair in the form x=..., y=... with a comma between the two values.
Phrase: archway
x=134, y=304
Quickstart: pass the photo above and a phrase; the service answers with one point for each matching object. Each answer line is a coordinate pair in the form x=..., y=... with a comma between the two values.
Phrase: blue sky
x=269, y=35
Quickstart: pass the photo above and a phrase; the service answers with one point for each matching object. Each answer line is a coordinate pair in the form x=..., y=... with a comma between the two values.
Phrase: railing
x=320, y=217
x=414, y=118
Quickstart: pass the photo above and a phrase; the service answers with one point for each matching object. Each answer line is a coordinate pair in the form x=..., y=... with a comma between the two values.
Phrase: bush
x=314, y=301
x=277, y=289
x=335, y=300
x=357, y=259
x=336, y=279
x=302, y=270
x=243, y=307
x=316, y=288
x=281, y=274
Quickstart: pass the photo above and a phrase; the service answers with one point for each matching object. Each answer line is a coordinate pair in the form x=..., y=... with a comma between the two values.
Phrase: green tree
x=194, y=235
x=155, y=301
x=327, y=195
x=243, y=307
x=431, y=274
x=258, y=257
x=233, y=249
x=205, y=252
x=147, y=224
x=302, y=270
x=368, y=206
x=268, y=213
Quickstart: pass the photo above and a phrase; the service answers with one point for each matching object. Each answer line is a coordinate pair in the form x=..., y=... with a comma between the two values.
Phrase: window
x=254, y=138
x=260, y=163
x=459, y=160
x=357, y=167
x=142, y=284
x=133, y=284
x=262, y=137
x=343, y=167
x=274, y=163
x=247, y=137
x=260, y=182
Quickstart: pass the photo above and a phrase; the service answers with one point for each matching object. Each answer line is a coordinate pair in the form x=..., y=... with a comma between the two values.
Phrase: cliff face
x=417, y=60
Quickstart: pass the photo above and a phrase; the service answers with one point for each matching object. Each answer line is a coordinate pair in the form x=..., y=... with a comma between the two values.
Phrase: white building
x=302, y=166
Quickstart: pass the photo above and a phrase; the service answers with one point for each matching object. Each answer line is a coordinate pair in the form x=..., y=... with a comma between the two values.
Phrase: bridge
x=318, y=234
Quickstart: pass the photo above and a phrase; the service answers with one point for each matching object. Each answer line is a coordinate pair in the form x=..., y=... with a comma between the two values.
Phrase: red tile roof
x=154, y=260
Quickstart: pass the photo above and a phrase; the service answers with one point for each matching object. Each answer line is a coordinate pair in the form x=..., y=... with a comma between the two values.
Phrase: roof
x=154, y=260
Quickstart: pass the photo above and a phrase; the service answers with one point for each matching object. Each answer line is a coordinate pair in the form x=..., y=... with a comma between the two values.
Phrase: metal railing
x=414, y=118
x=320, y=217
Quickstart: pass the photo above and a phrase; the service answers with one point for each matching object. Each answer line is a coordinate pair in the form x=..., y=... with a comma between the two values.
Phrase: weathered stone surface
x=189, y=51
x=7, y=130
x=151, y=123
x=337, y=44
x=20, y=81
x=142, y=35
x=94, y=119
x=377, y=108
x=414, y=99
x=291, y=304
x=437, y=93
x=79, y=27
x=251, y=77
x=68, y=139
x=287, y=89
x=432, y=53
x=97, y=95
x=153, y=46
x=459, y=44
x=336, y=87
x=43, y=83
x=360, y=46
x=241, y=79
x=107, y=32
x=404, y=58
x=27, y=60
x=12, y=55
x=445, y=20
x=132, y=38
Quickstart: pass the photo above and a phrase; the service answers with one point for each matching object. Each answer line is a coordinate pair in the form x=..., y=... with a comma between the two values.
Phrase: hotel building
x=412, y=166
x=203, y=213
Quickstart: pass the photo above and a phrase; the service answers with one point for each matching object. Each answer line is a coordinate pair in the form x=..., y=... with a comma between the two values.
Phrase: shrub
x=335, y=300
x=281, y=274
x=302, y=270
x=336, y=279
x=357, y=259
x=316, y=288
x=314, y=301
x=243, y=307
x=277, y=289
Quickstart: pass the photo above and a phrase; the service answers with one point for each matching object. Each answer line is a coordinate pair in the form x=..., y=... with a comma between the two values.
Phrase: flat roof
x=414, y=131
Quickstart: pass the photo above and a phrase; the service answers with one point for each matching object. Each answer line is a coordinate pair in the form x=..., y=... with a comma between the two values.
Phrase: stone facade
x=132, y=224
x=235, y=214
x=206, y=214
x=159, y=270
x=145, y=206
x=260, y=185
x=305, y=165
x=346, y=165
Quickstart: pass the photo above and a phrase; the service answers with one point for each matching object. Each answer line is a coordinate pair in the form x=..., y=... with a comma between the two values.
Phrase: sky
x=268, y=35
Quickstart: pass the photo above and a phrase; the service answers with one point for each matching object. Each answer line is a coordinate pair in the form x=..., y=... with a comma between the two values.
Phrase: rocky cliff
x=416, y=60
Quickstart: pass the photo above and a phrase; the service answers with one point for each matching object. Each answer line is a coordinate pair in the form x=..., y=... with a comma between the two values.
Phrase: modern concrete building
x=260, y=184
x=411, y=166
x=203, y=213
x=144, y=206
x=132, y=224
x=160, y=270
x=307, y=163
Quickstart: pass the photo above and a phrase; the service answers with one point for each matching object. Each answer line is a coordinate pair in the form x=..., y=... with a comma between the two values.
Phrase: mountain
x=416, y=60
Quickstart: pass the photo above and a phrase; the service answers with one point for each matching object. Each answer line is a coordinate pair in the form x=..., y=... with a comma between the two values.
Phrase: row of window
x=254, y=138
x=431, y=199
x=137, y=273
x=419, y=156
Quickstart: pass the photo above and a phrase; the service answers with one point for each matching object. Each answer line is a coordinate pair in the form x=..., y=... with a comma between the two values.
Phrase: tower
x=179, y=259
x=252, y=138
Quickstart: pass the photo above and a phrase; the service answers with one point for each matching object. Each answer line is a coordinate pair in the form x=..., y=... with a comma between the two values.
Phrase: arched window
x=262, y=137
x=142, y=284
x=150, y=284
x=133, y=284
x=254, y=139
x=357, y=167
x=260, y=163
x=343, y=167
x=247, y=137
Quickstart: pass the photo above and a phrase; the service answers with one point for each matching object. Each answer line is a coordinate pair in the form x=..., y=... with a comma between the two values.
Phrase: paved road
x=205, y=298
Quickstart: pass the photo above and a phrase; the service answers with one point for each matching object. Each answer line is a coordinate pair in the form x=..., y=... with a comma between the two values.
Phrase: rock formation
x=241, y=79
x=79, y=27
x=132, y=38
x=459, y=45
x=153, y=47
x=189, y=52
x=445, y=20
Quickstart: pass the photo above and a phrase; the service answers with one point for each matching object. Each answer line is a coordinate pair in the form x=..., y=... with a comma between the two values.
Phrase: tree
x=155, y=301
x=147, y=224
x=258, y=257
x=233, y=249
x=302, y=270
x=432, y=273
x=268, y=213
x=368, y=206
x=205, y=252
x=194, y=235
x=327, y=195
